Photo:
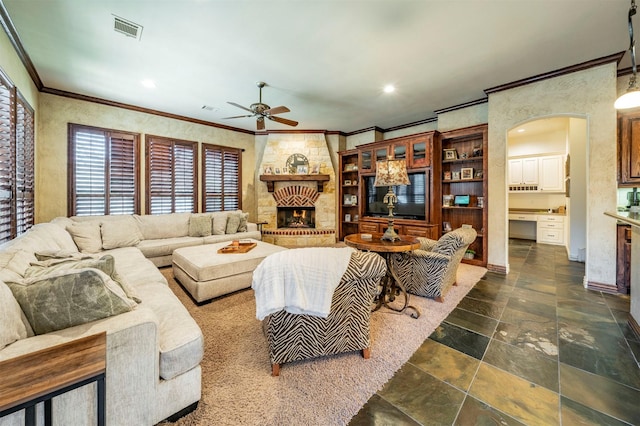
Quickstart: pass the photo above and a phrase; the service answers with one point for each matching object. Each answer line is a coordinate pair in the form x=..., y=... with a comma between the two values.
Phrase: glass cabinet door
x=400, y=151
x=382, y=154
x=366, y=160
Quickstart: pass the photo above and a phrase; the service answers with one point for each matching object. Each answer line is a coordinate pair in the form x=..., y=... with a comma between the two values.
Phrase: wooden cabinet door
x=419, y=155
x=368, y=227
x=629, y=148
x=366, y=162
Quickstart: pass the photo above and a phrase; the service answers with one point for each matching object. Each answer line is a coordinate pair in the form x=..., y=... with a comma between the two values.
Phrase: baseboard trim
x=605, y=288
x=634, y=326
x=497, y=268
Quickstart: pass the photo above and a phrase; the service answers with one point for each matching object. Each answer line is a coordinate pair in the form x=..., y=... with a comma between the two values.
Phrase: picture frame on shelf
x=477, y=151
x=479, y=174
x=277, y=170
x=466, y=173
x=315, y=169
x=350, y=167
x=450, y=154
x=302, y=169
x=447, y=175
x=347, y=217
x=350, y=200
x=356, y=217
x=347, y=182
x=455, y=175
x=446, y=227
x=268, y=169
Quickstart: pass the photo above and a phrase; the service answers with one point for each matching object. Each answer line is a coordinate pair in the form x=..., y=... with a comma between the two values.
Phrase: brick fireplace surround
x=298, y=194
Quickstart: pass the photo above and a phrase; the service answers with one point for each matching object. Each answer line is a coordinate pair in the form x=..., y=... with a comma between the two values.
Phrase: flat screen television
x=411, y=198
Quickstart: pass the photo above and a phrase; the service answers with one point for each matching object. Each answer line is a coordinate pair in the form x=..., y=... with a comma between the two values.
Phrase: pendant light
x=631, y=99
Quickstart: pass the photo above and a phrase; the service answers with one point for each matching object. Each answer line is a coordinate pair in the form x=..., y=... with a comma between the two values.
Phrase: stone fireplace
x=298, y=213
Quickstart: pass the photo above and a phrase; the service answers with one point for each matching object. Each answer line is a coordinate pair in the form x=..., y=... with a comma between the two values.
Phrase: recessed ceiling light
x=149, y=84
x=389, y=88
x=520, y=130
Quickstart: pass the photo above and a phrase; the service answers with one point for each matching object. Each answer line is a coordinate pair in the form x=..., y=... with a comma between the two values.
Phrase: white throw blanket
x=300, y=281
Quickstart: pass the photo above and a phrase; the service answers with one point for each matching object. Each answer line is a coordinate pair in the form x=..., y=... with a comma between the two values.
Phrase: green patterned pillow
x=244, y=217
x=70, y=298
x=106, y=264
x=200, y=225
x=233, y=222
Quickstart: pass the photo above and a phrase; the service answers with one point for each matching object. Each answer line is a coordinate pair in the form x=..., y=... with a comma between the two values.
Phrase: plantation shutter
x=104, y=172
x=7, y=158
x=221, y=178
x=24, y=185
x=171, y=175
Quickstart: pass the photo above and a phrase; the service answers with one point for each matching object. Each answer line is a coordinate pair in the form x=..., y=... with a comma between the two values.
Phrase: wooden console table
x=44, y=374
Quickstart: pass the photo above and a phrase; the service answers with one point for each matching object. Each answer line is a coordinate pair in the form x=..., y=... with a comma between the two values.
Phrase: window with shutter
x=171, y=175
x=16, y=162
x=221, y=178
x=103, y=172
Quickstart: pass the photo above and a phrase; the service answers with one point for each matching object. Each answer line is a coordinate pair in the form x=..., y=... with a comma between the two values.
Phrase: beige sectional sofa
x=154, y=347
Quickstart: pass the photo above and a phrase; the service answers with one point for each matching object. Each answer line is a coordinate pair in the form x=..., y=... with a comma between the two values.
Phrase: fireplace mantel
x=271, y=179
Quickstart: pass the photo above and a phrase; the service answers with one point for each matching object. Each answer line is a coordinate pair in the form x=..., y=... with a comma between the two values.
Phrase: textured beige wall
x=12, y=66
x=589, y=93
x=51, y=164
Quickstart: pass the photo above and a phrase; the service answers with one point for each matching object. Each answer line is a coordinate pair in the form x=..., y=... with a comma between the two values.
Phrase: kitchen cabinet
x=551, y=173
x=523, y=174
x=629, y=148
x=537, y=174
x=550, y=229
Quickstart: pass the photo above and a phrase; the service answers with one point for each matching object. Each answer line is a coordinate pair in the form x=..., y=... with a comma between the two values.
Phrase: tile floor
x=532, y=347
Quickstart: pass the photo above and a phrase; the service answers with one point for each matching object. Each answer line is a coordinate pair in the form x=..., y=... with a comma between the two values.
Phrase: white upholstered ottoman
x=206, y=274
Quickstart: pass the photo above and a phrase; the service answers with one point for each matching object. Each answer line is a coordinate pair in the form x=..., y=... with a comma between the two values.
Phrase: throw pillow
x=120, y=233
x=244, y=218
x=219, y=223
x=200, y=225
x=105, y=264
x=13, y=328
x=86, y=236
x=233, y=221
x=70, y=298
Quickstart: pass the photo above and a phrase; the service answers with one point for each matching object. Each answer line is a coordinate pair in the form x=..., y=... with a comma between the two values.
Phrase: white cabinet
x=551, y=173
x=550, y=229
x=537, y=174
x=523, y=174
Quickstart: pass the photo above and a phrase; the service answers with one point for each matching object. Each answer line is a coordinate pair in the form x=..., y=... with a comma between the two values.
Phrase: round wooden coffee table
x=391, y=286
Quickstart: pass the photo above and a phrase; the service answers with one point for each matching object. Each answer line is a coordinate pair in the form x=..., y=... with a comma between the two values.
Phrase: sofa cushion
x=158, y=226
x=87, y=236
x=120, y=233
x=200, y=225
x=166, y=246
x=13, y=328
x=68, y=298
x=242, y=226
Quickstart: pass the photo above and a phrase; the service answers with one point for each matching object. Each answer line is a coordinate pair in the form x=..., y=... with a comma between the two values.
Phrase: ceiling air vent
x=128, y=28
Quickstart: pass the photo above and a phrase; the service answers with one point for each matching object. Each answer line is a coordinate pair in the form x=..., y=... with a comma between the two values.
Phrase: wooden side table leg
x=30, y=416
x=102, y=401
x=48, y=421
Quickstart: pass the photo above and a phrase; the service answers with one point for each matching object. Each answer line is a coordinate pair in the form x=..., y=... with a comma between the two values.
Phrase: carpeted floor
x=237, y=386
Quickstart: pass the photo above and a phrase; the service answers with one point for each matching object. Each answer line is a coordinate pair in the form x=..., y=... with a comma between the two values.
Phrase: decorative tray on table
x=238, y=247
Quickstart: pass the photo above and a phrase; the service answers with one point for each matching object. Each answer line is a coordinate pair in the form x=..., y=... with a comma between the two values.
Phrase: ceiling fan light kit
x=631, y=98
x=261, y=110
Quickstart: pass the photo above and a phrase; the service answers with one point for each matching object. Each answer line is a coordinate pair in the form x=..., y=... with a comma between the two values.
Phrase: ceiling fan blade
x=237, y=116
x=277, y=110
x=260, y=123
x=283, y=121
x=239, y=106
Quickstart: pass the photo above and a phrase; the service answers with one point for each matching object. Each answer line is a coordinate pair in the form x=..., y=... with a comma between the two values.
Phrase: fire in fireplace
x=296, y=217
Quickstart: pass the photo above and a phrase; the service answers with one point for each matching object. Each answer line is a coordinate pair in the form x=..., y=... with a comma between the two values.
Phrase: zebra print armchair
x=430, y=271
x=294, y=337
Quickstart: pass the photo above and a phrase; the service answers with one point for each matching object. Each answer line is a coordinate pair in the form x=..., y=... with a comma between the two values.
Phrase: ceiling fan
x=262, y=111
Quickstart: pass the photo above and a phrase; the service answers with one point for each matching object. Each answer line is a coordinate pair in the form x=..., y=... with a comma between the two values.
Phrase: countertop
x=626, y=217
x=534, y=211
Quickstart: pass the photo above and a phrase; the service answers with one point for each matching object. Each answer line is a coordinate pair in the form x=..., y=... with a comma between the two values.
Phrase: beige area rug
x=237, y=386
